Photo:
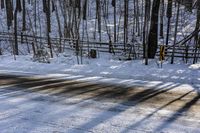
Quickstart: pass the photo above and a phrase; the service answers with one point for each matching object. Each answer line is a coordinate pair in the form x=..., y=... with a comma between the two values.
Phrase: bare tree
x=153, y=35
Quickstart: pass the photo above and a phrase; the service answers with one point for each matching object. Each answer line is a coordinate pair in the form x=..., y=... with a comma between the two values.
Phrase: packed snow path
x=45, y=104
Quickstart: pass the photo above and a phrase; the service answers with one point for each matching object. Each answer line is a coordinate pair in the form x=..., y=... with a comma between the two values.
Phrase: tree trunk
x=2, y=4
x=48, y=17
x=175, y=33
x=9, y=12
x=162, y=11
x=197, y=38
x=169, y=15
x=145, y=30
x=153, y=35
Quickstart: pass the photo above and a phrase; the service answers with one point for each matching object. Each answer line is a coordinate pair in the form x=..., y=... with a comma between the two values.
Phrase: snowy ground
x=106, y=66
x=174, y=108
x=37, y=104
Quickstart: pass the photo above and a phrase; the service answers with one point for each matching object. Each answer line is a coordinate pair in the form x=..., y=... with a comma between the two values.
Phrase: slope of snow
x=106, y=66
x=28, y=114
x=42, y=113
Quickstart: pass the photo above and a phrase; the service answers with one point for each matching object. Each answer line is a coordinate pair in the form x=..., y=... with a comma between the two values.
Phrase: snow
x=39, y=113
x=106, y=66
x=34, y=112
x=106, y=69
x=43, y=116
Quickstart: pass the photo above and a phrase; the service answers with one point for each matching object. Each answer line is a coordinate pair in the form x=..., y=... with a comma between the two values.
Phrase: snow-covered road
x=46, y=104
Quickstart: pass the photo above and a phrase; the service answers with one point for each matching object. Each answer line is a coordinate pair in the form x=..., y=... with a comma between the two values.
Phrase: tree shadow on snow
x=122, y=95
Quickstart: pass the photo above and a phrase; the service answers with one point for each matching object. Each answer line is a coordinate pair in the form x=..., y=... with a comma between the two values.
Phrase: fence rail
x=69, y=43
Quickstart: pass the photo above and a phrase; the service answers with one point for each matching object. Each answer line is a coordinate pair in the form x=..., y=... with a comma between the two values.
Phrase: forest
x=99, y=66
x=137, y=29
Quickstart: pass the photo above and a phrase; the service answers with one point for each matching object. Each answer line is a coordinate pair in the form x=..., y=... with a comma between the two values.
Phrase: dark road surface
x=184, y=105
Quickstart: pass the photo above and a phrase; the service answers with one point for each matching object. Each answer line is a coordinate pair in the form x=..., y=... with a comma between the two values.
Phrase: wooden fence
x=133, y=50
